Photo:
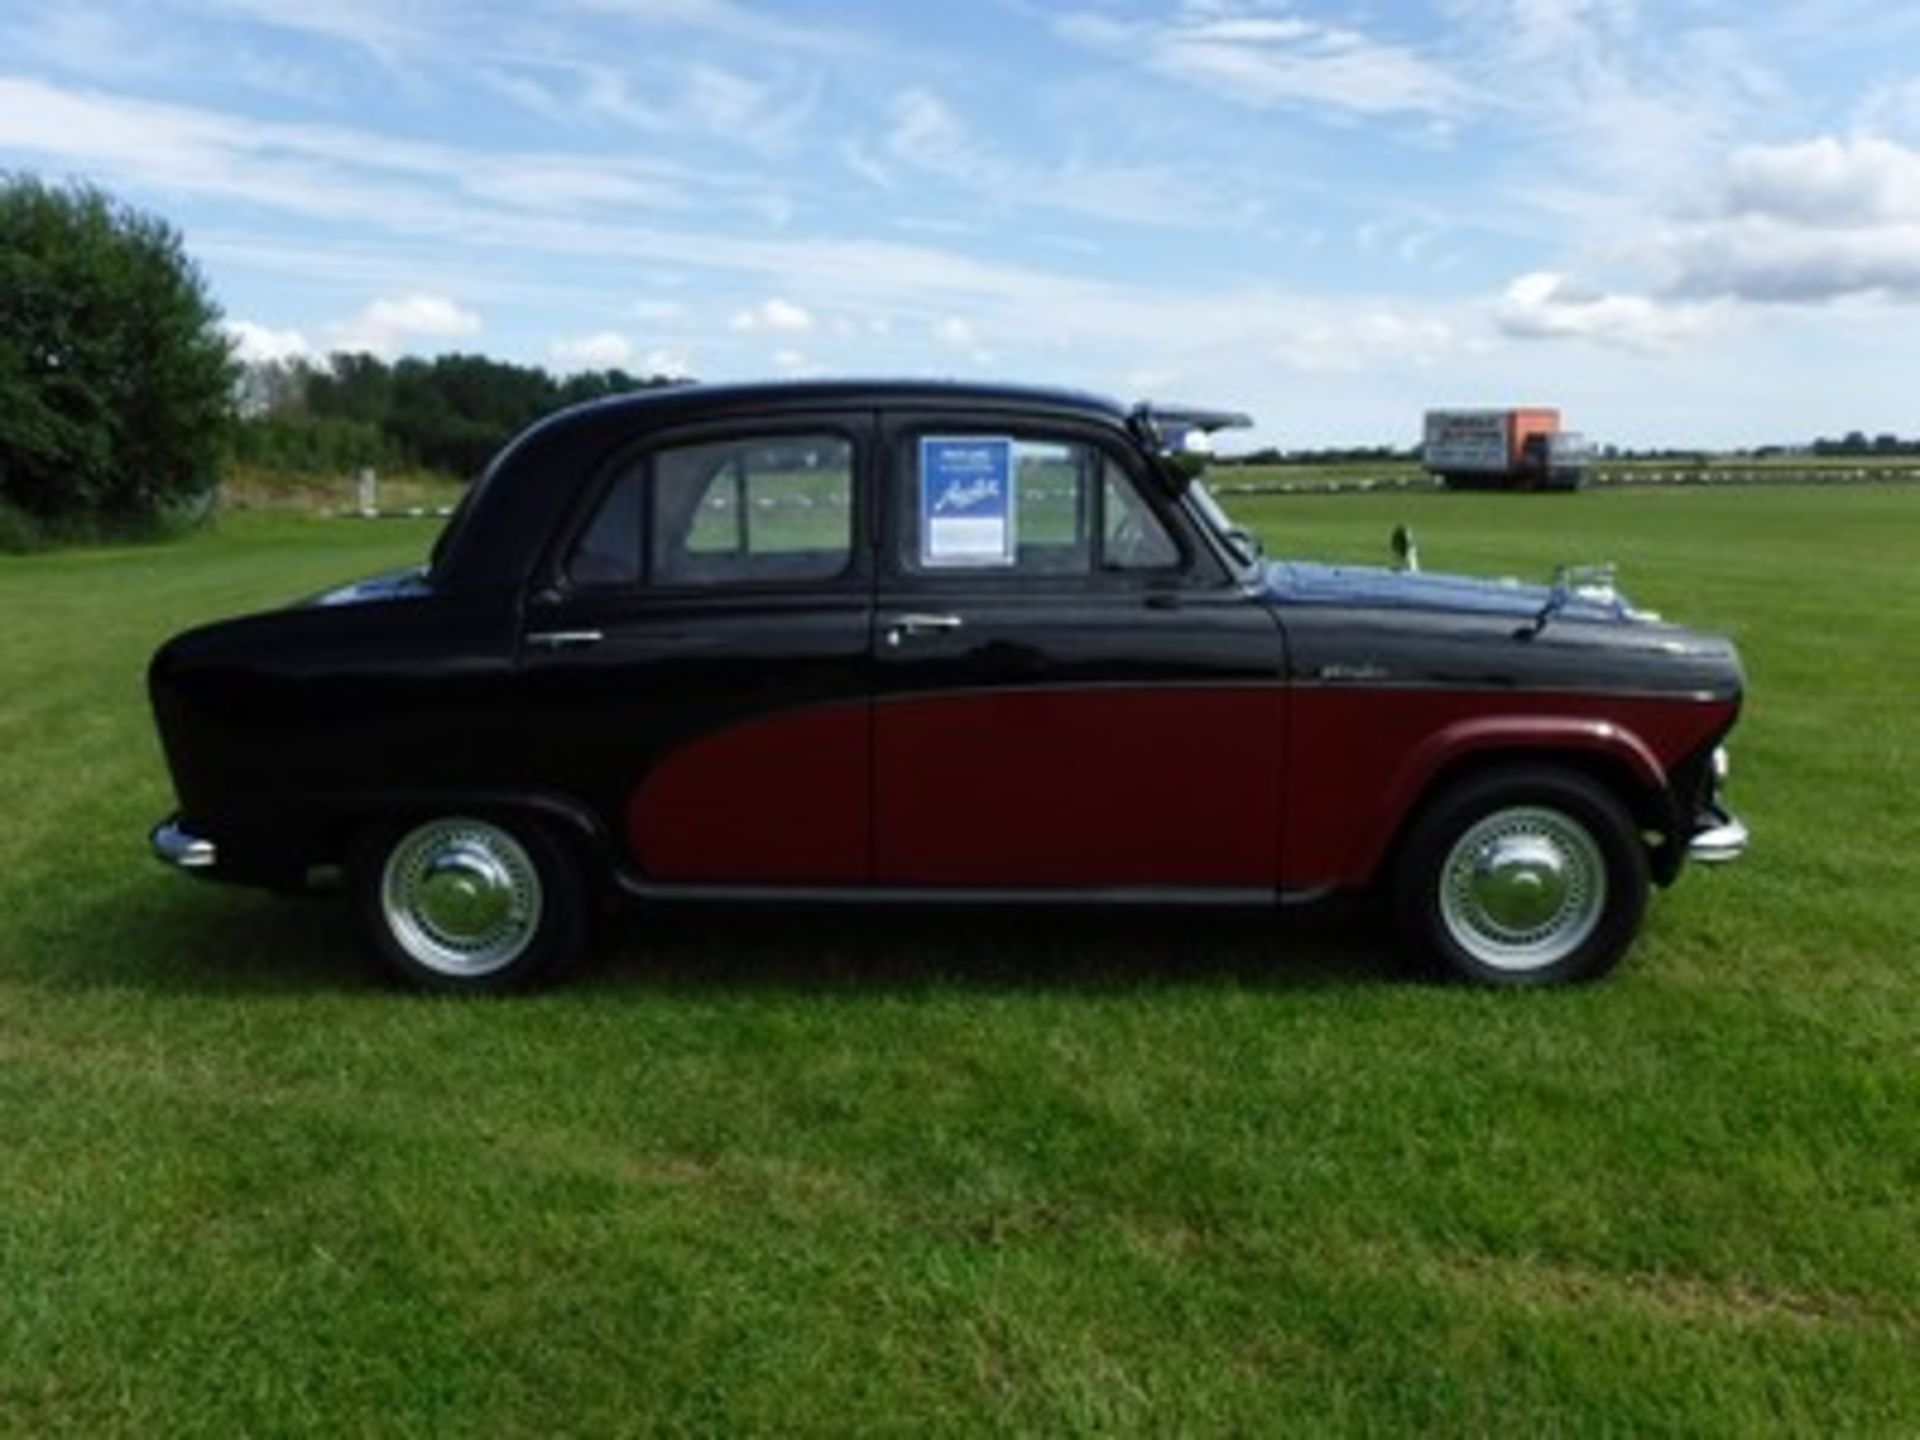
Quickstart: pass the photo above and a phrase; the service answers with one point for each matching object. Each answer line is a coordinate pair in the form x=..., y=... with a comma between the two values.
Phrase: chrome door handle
x=565, y=639
x=902, y=626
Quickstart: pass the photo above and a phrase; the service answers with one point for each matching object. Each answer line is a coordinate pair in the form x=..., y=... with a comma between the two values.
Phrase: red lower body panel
x=1093, y=787
x=781, y=800
x=1087, y=787
x=1105, y=786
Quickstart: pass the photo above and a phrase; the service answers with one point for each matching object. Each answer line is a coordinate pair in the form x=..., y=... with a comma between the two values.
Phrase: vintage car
x=939, y=643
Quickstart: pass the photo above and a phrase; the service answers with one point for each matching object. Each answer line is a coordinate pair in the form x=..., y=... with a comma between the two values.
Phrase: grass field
x=842, y=1174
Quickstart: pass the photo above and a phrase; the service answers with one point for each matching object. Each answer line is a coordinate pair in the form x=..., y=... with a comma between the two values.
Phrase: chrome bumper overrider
x=1718, y=842
x=181, y=848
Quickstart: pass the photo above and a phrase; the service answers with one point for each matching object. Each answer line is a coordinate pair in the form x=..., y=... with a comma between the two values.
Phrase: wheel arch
x=578, y=828
x=1604, y=752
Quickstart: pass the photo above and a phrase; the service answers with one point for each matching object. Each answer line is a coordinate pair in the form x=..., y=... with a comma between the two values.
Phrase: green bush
x=115, y=380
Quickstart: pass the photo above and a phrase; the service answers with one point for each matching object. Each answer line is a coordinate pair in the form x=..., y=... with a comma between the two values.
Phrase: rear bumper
x=1718, y=838
x=174, y=844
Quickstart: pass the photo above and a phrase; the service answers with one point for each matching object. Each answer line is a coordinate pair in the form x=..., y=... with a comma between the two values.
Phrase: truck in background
x=1519, y=449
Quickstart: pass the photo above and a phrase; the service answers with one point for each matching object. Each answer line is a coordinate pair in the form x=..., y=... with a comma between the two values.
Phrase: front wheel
x=1527, y=875
x=458, y=903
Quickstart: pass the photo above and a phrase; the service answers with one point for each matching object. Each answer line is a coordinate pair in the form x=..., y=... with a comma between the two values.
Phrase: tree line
x=1855, y=442
x=450, y=413
x=121, y=400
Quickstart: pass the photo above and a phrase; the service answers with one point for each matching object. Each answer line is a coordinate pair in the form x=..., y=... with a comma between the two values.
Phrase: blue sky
x=1689, y=222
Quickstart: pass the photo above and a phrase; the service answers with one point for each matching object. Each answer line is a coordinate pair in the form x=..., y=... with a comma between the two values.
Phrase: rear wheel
x=460, y=903
x=1528, y=875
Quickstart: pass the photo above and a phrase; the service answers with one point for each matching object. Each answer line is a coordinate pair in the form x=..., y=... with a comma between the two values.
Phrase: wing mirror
x=1189, y=451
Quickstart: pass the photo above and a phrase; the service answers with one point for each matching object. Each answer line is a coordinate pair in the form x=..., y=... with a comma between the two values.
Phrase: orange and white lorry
x=1518, y=449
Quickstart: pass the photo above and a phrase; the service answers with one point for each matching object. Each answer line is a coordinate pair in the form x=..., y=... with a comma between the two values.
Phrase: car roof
x=664, y=402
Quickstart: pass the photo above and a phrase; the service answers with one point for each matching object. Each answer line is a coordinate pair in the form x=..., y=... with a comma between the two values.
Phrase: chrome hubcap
x=1523, y=888
x=461, y=896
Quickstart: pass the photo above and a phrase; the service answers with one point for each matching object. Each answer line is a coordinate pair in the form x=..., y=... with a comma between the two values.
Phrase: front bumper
x=176, y=845
x=1718, y=837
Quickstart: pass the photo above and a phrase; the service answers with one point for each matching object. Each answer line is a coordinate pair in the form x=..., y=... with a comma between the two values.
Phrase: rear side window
x=753, y=511
x=749, y=511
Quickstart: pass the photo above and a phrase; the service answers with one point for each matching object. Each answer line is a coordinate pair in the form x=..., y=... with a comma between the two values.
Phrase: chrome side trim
x=962, y=896
x=564, y=639
x=182, y=849
x=1718, y=844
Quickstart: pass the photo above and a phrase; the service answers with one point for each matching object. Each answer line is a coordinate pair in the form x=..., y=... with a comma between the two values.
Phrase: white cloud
x=1548, y=306
x=1891, y=110
x=862, y=163
x=954, y=331
x=383, y=31
x=1809, y=222
x=667, y=96
x=727, y=20
x=776, y=314
x=658, y=312
x=676, y=364
x=1269, y=57
x=253, y=343
x=928, y=136
x=340, y=174
x=1825, y=182
x=1609, y=109
x=602, y=350
x=389, y=327
x=794, y=363
x=611, y=350
x=1364, y=340
x=1768, y=261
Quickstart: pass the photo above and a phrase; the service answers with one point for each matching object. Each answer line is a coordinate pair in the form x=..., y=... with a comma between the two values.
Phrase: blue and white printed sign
x=966, y=500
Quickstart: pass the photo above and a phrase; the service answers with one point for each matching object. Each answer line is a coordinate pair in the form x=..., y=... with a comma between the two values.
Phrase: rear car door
x=1070, y=691
x=694, y=665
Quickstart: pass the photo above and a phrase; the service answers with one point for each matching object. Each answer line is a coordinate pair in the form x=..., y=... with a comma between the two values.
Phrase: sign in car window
x=966, y=500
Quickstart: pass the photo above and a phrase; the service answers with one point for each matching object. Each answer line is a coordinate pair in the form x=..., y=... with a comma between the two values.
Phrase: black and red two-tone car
x=935, y=643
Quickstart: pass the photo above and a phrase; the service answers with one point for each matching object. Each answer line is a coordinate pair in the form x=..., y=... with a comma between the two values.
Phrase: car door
x=1070, y=690
x=694, y=665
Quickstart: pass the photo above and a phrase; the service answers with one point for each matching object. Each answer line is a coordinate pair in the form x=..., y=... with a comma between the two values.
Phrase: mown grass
x=837, y=1174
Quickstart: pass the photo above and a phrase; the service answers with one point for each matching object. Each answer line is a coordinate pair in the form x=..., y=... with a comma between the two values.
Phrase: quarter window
x=608, y=550
x=1132, y=536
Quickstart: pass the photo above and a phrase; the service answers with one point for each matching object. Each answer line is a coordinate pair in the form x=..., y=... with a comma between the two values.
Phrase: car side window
x=750, y=511
x=1025, y=505
x=608, y=551
x=1133, y=537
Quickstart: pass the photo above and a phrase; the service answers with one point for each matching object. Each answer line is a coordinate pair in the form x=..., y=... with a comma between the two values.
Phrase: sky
x=1684, y=223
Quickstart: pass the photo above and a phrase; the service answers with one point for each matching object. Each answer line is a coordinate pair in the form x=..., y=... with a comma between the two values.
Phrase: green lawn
x=842, y=1174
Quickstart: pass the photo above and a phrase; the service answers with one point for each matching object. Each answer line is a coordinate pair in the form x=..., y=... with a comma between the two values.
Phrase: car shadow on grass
x=199, y=939
x=193, y=939
x=1002, y=950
